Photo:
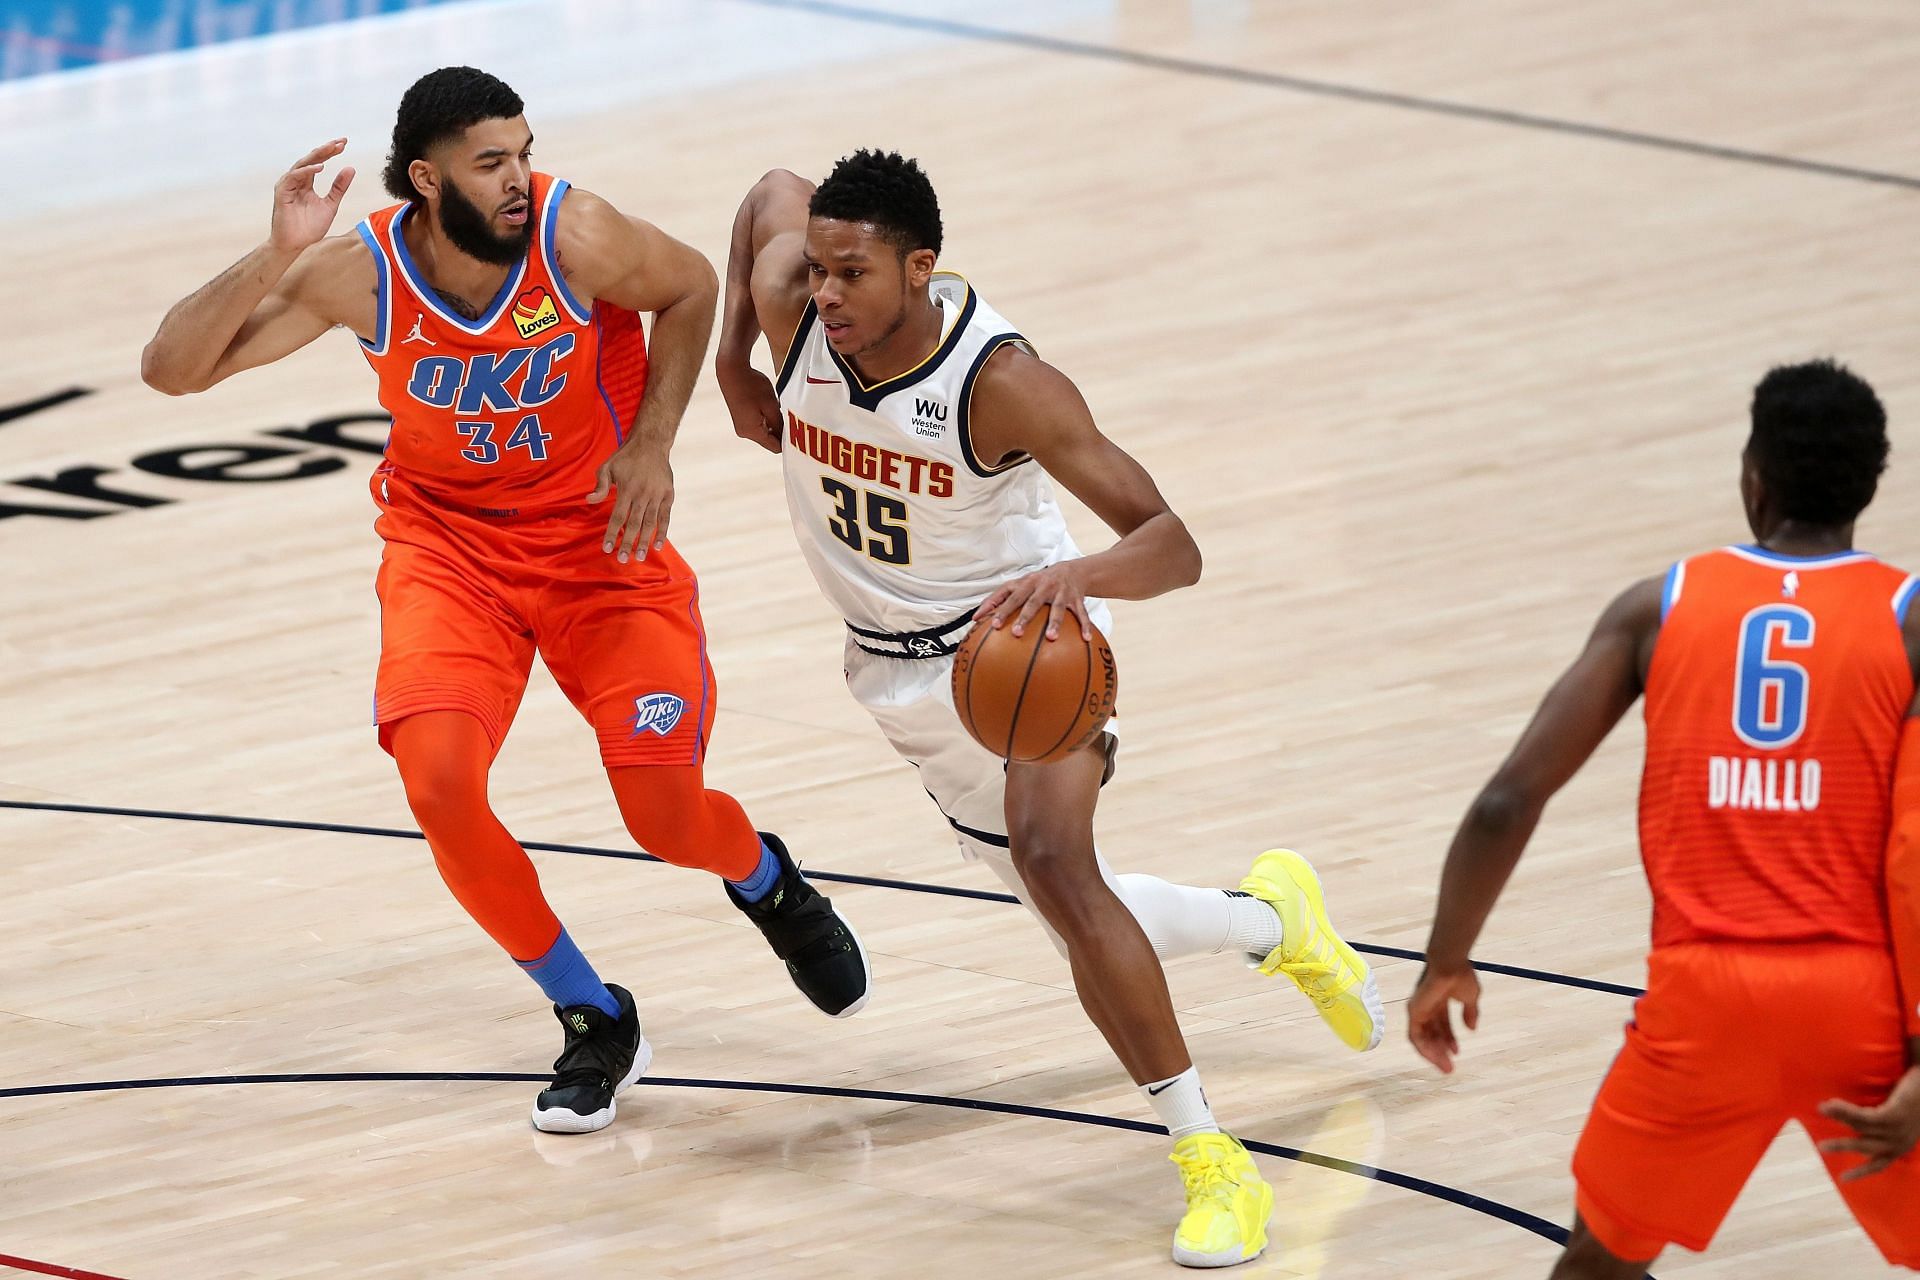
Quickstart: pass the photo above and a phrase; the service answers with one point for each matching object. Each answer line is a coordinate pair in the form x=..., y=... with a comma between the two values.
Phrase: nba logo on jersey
x=533, y=311
x=658, y=712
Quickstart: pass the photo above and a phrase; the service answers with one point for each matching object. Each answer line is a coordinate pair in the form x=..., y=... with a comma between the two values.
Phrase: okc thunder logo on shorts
x=658, y=712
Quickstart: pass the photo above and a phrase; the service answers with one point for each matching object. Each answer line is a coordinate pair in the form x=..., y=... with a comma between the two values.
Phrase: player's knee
x=1059, y=878
x=440, y=791
x=652, y=812
x=670, y=813
x=664, y=839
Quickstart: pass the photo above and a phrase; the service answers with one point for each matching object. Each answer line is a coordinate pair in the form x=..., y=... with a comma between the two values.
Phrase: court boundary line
x=1533, y=1223
x=1309, y=86
x=835, y=877
x=34, y=1265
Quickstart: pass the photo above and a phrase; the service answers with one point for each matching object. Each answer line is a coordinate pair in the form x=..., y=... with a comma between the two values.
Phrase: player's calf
x=1587, y=1259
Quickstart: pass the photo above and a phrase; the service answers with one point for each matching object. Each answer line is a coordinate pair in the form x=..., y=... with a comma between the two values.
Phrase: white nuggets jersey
x=905, y=529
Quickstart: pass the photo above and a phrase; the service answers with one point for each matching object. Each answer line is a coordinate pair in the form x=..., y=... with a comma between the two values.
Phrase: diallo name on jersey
x=903, y=471
x=1775, y=786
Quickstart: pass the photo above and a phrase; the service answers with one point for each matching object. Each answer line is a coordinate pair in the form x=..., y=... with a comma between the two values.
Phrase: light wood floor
x=1429, y=388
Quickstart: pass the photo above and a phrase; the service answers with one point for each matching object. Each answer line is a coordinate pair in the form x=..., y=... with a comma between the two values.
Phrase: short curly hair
x=442, y=104
x=1819, y=441
x=886, y=190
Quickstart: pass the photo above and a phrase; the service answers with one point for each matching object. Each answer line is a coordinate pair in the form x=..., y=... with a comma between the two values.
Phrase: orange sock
x=444, y=757
x=671, y=814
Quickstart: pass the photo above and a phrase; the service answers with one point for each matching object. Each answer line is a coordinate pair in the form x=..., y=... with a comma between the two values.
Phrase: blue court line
x=1331, y=89
x=1407, y=1182
x=837, y=877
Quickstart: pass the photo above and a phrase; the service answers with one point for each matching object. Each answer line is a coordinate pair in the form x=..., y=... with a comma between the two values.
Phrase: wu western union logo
x=533, y=311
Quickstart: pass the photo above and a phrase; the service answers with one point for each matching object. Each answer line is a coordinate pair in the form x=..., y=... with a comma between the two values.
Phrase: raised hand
x=301, y=215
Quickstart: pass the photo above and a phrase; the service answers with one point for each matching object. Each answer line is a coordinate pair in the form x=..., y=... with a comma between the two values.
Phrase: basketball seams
x=966, y=712
x=986, y=654
x=1086, y=683
x=1013, y=720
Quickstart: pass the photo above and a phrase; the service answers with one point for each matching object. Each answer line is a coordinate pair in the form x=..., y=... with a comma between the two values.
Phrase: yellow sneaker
x=1315, y=957
x=1228, y=1203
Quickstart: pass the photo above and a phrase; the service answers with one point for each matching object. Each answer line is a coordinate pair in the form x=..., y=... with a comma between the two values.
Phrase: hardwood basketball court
x=1436, y=322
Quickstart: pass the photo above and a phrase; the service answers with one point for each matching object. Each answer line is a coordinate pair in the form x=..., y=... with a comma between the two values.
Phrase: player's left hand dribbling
x=641, y=480
x=1430, y=1013
x=1056, y=587
x=1883, y=1134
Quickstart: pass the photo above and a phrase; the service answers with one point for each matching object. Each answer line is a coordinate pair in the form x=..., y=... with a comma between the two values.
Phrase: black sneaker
x=603, y=1056
x=823, y=954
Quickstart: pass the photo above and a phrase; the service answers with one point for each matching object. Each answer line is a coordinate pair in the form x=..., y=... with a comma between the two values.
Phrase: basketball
x=1030, y=699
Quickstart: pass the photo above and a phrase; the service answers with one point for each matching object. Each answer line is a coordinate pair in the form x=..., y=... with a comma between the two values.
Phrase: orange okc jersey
x=513, y=410
x=1774, y=703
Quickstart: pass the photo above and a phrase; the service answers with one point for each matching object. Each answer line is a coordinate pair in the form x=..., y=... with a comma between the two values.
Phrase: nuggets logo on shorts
x=534, y=311
x=658, y=712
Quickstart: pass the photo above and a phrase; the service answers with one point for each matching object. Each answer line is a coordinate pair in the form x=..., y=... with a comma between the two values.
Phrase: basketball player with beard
x=918, y=432
x=524, y=502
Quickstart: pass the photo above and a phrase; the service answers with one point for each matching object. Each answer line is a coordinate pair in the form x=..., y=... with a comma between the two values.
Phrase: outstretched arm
x=766, y=292
x=265, y=306
x=1022, y=404
x=1575, y=717
x=633, y=264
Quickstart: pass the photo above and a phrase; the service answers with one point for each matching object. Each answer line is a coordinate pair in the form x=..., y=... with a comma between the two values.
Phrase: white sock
x=1255, y=924
x=1181, y=1104
x=1181, y=920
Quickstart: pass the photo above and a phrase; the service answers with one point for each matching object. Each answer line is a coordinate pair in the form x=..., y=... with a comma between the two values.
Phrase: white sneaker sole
x=866, y=995
x=1189, y=1258
x=561, y=1120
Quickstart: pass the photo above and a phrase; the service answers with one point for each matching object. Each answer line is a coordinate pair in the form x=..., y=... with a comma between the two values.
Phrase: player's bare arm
x=291, y=289
x=1889, y=1131
x=766, y=293
x=1023, y=405
x=633, y=264
x=1574, y=718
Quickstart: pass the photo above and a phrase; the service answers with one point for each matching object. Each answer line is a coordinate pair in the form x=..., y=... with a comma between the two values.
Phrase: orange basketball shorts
x=1729, y=1044
x=467, y=599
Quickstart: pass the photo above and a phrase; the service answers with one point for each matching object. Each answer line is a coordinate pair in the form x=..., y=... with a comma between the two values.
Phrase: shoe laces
x=591, y=1077
x=1316, y=978
x=1316, y=969
x=1206, y=1178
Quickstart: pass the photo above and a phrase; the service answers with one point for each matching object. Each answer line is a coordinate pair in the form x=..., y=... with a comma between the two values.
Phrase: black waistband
x=934, y=642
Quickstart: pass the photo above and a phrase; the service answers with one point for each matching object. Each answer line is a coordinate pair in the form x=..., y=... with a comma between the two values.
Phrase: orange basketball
x=1031, y=699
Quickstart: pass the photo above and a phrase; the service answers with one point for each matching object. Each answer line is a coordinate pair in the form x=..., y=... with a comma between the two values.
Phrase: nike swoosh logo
x=827, y=382
x=9, y=412
x=1154, y=1093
